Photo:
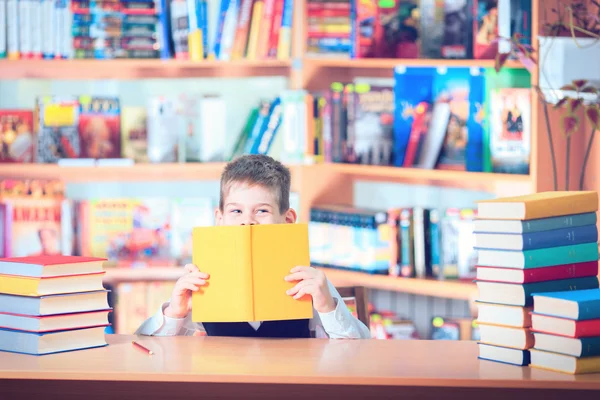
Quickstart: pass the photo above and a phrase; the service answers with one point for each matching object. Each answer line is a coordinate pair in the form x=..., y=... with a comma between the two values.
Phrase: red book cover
x=417, y=135
x=277, y=16
x=100, y=127
x=566, y=271
x=51, y=259
x=569, y=328
x=16, y=135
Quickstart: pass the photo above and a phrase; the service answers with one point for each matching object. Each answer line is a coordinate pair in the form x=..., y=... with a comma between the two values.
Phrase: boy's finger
x=190, y=286
x=200, y=274
x=300, y=294
x=190, y=268
x=300, y=268
x=298, y=286
x=297, y=276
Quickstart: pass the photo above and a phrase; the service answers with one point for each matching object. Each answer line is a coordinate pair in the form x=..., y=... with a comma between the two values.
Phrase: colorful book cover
x=485, y=29
x=100, y=127
x=432, y=28
x=128, y=229
x=16, y=136
x=134, y=133
x=510, y=130
x=56, y=122
x=457, y=29
x=373, y=132
x=33, y=226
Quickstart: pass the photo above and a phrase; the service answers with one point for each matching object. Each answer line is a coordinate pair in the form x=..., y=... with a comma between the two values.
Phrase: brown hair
x=257, y=169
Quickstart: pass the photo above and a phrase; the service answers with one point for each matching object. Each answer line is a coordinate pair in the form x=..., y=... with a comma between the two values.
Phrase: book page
x=276, y=249
x=224, y=253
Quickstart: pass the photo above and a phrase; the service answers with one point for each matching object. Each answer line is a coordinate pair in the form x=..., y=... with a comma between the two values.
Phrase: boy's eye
x=235, y=211
x=263, y=211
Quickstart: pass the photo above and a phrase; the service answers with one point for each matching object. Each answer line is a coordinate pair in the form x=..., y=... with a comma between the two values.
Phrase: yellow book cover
x=247, y=266
x=539, y=205
x=251, y=51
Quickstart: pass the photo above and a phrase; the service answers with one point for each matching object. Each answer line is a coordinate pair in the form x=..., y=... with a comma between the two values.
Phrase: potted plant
x=573, y=96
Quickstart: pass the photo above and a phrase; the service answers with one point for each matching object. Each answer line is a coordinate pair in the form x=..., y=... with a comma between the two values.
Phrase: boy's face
x=245, y=204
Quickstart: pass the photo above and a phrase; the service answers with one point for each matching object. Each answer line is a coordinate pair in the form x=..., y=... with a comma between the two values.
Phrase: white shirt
x=337, y=324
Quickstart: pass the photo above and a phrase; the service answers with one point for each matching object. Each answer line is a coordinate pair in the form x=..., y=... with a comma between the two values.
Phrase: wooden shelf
x=462, y=179
x=137, y=172
x=426, y=287
x=374, y=63
x=146, y=274
x=139, y=69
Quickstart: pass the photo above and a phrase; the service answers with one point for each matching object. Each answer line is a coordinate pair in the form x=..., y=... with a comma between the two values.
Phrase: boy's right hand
x=181, y=298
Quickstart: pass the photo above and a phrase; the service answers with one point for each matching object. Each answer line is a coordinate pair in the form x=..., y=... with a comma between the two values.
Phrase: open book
x=247, y=266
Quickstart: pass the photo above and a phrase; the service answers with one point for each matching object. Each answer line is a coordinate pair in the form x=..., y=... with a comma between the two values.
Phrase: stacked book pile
x=566, y=327
x=539, y=243
x=51, y=304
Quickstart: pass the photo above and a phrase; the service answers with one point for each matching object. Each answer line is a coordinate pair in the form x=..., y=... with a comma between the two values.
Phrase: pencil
x=142, y=347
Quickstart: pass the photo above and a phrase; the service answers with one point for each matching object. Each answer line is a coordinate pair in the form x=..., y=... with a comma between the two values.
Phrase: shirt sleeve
x=161, y=325
x=340, y=323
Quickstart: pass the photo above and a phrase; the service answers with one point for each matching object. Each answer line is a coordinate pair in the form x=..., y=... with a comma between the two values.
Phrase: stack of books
x=539, y=243
x=566, y=327
x=51, y=304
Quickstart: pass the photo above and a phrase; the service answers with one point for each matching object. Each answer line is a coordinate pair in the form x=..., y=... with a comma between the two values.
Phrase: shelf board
x=457, y=178
x=425, y=287
x=137, y=172
x=146, y=274
x=374, y=63
x=138, y=69
x=457, y=290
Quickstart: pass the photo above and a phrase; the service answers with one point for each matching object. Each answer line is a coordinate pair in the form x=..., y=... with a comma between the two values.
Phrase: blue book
x=505, y=355
x=578, y=305
x=534, y=225
x=60, y=341
x=538, y=258
x=512, y=294
x=537, y=240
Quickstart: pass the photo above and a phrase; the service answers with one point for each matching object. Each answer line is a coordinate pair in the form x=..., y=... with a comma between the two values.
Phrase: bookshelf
x=388, y=63
x=457, y=290
x=126, y=69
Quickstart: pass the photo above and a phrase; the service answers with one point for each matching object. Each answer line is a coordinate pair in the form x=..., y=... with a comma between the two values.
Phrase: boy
x=255, y=189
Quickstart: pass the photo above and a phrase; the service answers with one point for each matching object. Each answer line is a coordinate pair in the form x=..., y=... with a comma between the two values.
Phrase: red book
x=565, y=327
x=511, y=275
x=48, y=266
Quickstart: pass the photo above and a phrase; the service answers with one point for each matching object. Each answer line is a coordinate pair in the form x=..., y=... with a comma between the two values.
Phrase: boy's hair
x=257, y=169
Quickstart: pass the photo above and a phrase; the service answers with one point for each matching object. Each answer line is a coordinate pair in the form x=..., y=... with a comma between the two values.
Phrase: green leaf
x=593, y=114
x=570, y=124
x=501, y=60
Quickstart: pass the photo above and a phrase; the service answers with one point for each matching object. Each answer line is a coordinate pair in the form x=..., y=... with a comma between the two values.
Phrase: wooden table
x=209, y=367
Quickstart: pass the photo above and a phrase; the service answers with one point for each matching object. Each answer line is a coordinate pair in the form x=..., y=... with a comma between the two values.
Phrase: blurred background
x=118, y=116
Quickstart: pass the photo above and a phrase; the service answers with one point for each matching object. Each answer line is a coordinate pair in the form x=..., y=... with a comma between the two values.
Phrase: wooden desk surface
x=369, y=363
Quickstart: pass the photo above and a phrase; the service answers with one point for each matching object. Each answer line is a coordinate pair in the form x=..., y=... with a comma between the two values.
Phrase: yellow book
x=247, y=266
x=28, y=286
x=251, y=51
x=539, y=205
x=564, y=363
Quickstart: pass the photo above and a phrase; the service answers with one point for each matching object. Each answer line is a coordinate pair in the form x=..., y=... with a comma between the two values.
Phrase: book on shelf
x=247, y=265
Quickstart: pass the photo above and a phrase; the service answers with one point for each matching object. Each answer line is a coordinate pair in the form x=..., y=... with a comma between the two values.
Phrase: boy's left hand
x=314, y=283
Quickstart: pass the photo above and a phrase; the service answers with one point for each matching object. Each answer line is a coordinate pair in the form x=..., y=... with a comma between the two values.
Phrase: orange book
x=242, y=31
x=247, y=266
x=539, y=205
x=28, y=286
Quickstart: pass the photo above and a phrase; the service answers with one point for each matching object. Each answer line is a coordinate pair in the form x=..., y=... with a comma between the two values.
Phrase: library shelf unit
x=125, y=69
x=448, y=289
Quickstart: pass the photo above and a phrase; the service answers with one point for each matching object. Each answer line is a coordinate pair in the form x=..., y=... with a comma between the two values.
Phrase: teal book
x=534, y=225
x=538, y=258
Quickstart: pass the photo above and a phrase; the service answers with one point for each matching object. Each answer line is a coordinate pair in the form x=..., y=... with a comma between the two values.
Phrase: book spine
x=569, y=221
x=560, y=255
x=12, y=29
x=264, y=32
x=274, y=121
x=243, y=28
x=275, y=28
x=251, y=50
x=407, y=264
x=229, y=27
x=589, y=309
x=560, y=272
x=560, y=237
x=590, y=346
x=435, y=243
x=3, y=28
x=163, y=29
x=558, y=286
x=284, y=43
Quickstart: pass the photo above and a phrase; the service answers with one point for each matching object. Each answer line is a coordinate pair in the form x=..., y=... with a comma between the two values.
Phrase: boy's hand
x=181, y=297
x=314, y=283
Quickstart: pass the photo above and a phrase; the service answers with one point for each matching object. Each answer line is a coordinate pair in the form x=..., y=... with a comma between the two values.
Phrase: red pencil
x=142, y=347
